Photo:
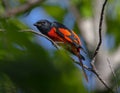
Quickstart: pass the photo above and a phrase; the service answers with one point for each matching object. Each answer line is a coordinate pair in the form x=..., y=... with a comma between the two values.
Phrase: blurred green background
x=28, y=66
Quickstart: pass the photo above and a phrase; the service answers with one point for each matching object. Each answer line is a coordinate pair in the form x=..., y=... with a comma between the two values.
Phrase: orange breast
x=54, y=36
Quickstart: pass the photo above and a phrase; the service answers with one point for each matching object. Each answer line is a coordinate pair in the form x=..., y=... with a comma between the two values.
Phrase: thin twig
x=100, y=30
x=40, y=34
x=98, y=47
x=86, y=67
x=114, y=75
x=97, y=75
x=102, y=80
x=93, y=69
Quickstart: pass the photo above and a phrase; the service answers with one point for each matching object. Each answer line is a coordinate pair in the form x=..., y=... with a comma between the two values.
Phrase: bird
x=62, y=35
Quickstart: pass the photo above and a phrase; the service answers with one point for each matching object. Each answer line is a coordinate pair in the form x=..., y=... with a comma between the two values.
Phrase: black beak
x=35, y=24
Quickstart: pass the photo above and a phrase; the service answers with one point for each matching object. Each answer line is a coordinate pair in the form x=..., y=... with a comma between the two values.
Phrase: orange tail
x=80, y=60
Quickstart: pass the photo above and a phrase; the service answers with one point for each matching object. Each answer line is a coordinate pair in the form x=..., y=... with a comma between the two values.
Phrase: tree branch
x=40, y=34
x=93, y=69
x=21, y=8
x=100, y=31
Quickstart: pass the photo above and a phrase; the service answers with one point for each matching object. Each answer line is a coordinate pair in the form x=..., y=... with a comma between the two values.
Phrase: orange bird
x=59, y=33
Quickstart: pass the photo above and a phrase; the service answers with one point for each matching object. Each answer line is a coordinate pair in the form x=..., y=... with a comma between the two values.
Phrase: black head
x=43, y=25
